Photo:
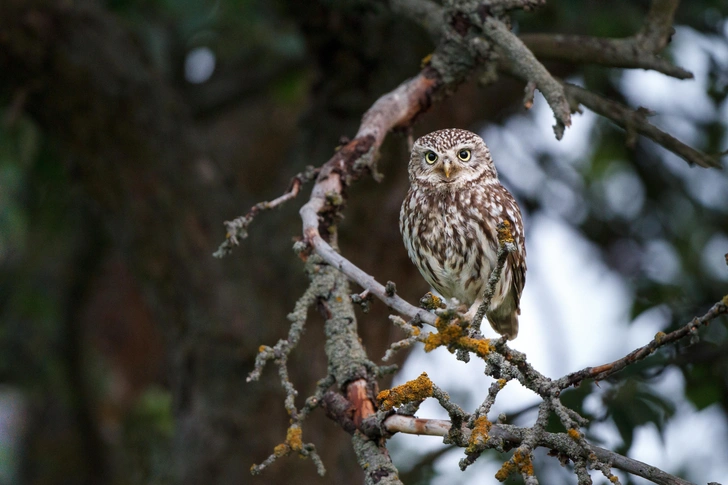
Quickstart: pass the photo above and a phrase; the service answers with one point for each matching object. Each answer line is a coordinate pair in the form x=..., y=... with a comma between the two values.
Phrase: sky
x=575, y=310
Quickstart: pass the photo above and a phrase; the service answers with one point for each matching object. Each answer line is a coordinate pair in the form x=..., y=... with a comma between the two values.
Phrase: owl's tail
x=504, y=323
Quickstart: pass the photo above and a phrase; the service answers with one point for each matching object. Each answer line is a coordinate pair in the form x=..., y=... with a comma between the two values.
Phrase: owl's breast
x=448, y=243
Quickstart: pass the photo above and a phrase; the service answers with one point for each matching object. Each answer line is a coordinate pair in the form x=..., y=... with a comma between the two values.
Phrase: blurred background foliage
x=130, y=129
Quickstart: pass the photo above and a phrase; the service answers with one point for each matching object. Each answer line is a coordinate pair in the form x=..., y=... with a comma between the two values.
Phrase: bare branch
x=657, y=29
x=396, y=108
x=636, y=121
x=638, y=51
x=660, y=340
x=583, y=49
x=525, y=65
x=237, y=229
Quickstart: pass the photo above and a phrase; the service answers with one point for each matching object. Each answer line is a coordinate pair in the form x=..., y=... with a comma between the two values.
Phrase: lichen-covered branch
x=476, y=433
x=513, y=436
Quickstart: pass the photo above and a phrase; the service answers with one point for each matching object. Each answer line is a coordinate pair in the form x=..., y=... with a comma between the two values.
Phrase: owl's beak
x=446, y=168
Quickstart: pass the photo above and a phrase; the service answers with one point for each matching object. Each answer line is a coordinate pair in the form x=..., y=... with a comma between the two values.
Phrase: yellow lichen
x=447, y=334
x=431, y=302
x=502, y=383
x=504, y=233
x=574, y=434
x=416, y=331
x=481, y=347
x=659, y=336
x=523, y=461
x=426, y=61
x=505, y=471
x=293, y=442
x=613, y=478
x=481, y=427
x=293, y=438
x=281, y=450
x=520, y=461
x=725, y=300
x=453, y=334
x=415, y=390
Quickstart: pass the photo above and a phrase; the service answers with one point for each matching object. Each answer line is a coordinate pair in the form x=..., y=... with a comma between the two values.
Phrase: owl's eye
x=464, y=155
x=431, y=157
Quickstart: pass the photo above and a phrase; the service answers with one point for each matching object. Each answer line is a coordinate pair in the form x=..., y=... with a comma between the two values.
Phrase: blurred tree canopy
x=129, y=130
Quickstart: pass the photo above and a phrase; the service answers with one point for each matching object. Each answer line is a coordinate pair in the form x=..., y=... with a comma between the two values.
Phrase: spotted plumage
x=448, y=222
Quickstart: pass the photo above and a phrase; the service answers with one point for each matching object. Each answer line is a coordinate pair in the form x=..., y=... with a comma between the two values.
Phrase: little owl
x=448, y=221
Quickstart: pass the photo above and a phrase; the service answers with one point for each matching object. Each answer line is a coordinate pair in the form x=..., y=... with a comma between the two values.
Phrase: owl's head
x=448, y=159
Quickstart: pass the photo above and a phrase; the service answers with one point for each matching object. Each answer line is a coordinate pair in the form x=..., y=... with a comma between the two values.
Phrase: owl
x=448, y=222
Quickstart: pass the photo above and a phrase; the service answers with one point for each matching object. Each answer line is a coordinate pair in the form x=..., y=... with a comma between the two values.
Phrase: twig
x=237, y=229
x=660, y=340
x=414, y=334
x=280, y=353
x=636, y=121
x=506, y=245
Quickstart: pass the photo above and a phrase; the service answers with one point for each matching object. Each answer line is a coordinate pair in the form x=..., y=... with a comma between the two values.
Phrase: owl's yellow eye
x=464, y=155
x=431, y=157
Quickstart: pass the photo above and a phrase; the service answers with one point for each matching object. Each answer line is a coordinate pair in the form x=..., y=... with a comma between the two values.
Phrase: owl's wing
x=516, y=260
x=517, y=263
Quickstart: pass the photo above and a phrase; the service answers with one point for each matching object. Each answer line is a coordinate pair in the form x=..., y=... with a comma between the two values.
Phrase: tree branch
x=526, y=66
x=582, y=49
x=237, y=229
x=635, y=121
x=661, y=339
x=638, y=51
x=456, y=56
x=514, y=436
x=394, y=109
